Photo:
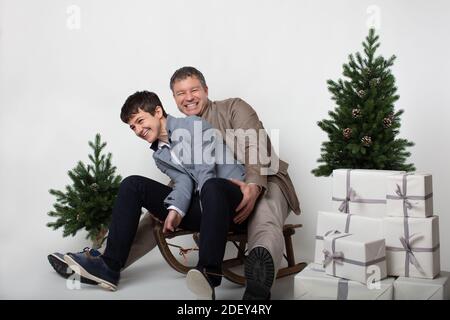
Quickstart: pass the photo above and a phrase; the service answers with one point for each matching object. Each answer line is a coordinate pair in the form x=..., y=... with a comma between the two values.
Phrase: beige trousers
x=265, y=228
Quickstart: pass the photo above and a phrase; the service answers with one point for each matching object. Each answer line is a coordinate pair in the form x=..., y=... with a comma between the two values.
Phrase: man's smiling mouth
x=191, y=105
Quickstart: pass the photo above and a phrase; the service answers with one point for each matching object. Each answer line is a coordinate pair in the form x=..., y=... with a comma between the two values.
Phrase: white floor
x=149, y=278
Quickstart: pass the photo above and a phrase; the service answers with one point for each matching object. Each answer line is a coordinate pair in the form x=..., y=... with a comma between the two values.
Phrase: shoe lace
x=90, y=252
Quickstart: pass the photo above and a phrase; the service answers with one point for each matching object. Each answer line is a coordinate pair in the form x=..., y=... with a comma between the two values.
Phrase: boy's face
x=145, y=125
x=190, y=96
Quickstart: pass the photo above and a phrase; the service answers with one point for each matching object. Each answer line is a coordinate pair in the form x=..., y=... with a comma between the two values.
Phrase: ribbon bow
x=406, y=243
x=337, y=257
x=351, y=196
x=404, y=197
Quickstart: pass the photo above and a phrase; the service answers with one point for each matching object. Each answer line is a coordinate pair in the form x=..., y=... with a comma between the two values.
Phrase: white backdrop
x=66, y=68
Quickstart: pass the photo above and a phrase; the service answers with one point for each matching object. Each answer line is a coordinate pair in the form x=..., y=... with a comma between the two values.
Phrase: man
x=268, y=195
x=271, y=196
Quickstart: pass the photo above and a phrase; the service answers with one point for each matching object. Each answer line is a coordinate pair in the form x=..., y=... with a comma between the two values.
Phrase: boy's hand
x=172, y=221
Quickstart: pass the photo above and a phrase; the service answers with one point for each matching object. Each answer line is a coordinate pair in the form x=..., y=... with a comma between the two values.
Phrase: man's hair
x=144, y=100
x=186, y=72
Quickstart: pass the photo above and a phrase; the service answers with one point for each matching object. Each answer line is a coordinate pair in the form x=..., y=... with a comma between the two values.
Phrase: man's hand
x=172, y=221
x=250, y=194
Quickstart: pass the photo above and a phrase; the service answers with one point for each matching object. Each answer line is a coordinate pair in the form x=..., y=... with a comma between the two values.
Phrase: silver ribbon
x=412, y=258
x=333, y=256
x=342, y=293
x=342, y=289
x=404, y=197
x=338, y=257
x=346, y=230
x=406, y=240
x=351, y=196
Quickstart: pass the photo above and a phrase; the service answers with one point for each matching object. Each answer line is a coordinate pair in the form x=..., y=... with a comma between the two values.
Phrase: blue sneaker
x=89, y=264
x=56, y=260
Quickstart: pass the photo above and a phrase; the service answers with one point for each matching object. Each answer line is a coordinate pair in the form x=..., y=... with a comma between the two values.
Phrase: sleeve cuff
x=181, y=213
x=261, y=188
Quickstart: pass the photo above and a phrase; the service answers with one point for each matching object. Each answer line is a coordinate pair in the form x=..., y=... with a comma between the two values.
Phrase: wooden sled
x=239, y=240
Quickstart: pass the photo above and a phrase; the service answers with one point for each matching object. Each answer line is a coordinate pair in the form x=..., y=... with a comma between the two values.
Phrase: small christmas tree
x=363, y=126
x=88, y=202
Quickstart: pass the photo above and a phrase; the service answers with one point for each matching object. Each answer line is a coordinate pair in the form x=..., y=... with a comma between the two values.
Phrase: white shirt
x=175, y=159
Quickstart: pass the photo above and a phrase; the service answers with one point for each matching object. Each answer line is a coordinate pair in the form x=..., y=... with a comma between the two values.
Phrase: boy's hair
x=144, y=100
x=185, y=72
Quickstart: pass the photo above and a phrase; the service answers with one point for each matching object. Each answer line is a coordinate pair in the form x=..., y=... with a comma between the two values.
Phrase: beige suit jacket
x=236, y=114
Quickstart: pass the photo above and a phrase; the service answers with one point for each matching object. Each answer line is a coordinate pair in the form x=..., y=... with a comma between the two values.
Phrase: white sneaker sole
x=82, y=272
x=197, y=283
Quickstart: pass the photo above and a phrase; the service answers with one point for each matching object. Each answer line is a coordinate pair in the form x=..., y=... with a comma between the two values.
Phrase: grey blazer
x=200, y=154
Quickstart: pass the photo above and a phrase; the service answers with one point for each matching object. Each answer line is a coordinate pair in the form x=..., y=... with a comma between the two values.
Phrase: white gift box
x=312, y=283
x=345, y=223
x=422, y=289
x=354, y=256
x=412, y=246
x=409, y=195
x=360, y=192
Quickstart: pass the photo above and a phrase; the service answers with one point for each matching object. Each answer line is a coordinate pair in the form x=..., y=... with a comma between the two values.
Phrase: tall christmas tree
x=88, y=202
x=362, y=128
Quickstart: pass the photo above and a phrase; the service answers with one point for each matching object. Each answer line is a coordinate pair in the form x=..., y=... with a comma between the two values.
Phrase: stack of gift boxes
x=381, y=240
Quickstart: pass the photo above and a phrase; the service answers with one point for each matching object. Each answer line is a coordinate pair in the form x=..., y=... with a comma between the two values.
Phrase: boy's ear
x=158, y=112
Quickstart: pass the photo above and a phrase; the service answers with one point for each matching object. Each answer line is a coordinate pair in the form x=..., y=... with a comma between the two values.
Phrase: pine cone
x=366, y=141
x=356, y=113
x=387, y=122
x=347, y=132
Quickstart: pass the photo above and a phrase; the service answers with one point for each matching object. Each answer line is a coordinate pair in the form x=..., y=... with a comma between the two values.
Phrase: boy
x=203, y=197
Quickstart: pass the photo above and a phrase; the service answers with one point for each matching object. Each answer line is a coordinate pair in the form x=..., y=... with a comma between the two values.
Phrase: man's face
x=145, y=125
x=190, y=96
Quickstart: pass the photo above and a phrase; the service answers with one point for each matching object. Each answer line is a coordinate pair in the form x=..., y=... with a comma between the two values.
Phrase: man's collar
x=208, y=105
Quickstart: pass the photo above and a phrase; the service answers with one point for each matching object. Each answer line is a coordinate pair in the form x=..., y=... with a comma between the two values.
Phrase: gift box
x=412, y=246
x=345, y=223
x=409, y=195
x=354, y=256
x=312, y=283
x=360, y=192
x=422, y=289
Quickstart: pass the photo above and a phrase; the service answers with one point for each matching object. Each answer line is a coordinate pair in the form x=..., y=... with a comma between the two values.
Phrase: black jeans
x=213, y=218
